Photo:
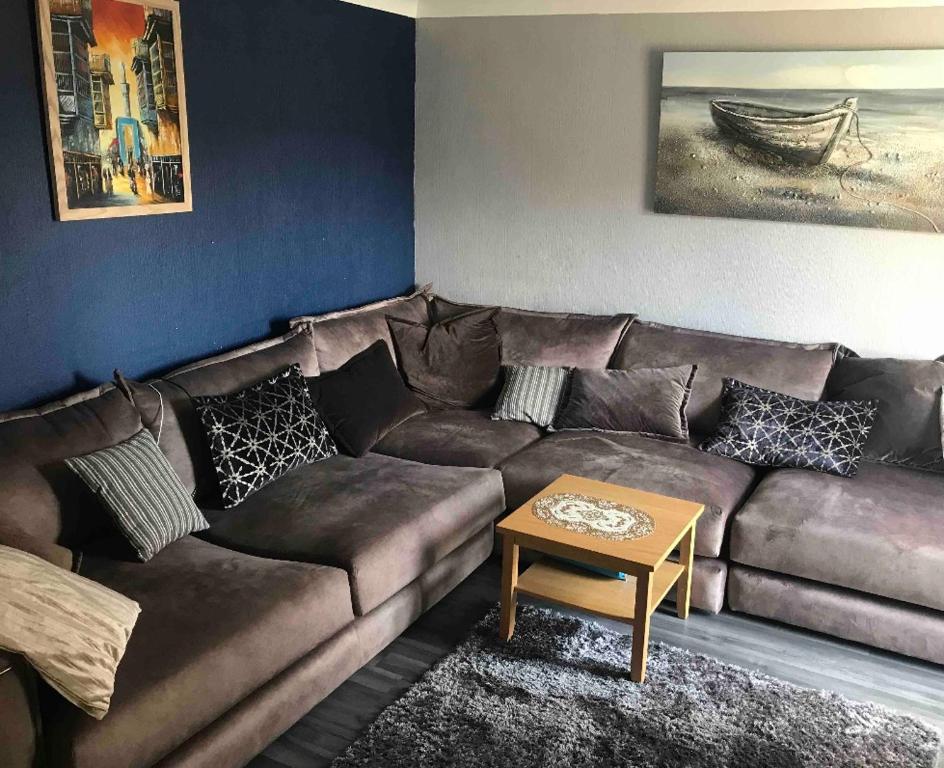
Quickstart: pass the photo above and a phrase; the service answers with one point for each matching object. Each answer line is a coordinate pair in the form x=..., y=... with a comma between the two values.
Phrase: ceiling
x=442, y=8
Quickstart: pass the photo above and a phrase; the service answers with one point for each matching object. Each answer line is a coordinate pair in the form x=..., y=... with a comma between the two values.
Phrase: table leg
x=683, y=590
x=509, y=597
x=637, y=671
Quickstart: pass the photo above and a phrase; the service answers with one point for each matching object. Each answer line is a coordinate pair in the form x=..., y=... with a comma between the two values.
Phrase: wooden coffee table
x=607, y=526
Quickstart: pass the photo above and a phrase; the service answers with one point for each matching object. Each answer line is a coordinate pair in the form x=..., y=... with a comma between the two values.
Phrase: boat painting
x=832, y=137
x=790, y=135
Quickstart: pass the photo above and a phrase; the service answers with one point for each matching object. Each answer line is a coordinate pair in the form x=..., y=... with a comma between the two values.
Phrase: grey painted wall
x=535, y=161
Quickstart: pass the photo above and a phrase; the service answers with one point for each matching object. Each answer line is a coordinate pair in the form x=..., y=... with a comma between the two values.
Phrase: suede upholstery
x=559, y=339
x=647, y=401
x=907, y=429
x=19, y=737
x=167, y=411
x=243, y=731
x=45, y=508
x=338, y=336
x=384, y=520
x=456, y=363
x=214, y=626
x=458, y=438
x=799, y=370
x=881, y=532
x=672, y=469
x=887, y=624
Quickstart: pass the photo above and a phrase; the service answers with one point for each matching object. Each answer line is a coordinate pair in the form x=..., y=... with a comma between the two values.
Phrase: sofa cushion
x=214, y=626
x=799, y=370
x=559, y=339
x=258, y=434
x=673, y=469
x=384, y=520
x=881, y=532
x=454, y=363
x=363, y=399
x=769, y=429
x=532, y=393
x=907, y=429
x=136, y=485
x=168, y=412
x=45, y=508
x=647, y=401
x=457, y=438
x=338, y=336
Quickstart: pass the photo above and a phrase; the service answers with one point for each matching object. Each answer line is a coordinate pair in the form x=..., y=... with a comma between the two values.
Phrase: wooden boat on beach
x=795, y=136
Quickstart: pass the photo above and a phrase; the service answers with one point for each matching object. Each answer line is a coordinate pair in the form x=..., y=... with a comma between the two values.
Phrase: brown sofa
x=249, y=624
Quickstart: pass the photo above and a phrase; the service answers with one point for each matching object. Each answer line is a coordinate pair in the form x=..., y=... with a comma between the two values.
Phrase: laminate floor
x=800, y=657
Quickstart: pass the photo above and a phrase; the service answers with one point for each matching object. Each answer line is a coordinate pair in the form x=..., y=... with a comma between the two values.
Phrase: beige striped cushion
x=71, y=629
x=141, y=491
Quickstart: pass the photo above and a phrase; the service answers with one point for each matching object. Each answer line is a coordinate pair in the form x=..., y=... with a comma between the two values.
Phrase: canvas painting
x=116, y=107
x=830, y=137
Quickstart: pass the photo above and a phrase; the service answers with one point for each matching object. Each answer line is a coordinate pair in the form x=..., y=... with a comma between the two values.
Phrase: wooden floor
x=800, y=657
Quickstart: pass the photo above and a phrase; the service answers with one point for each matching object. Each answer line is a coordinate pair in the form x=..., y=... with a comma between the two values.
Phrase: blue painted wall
x=301, y=142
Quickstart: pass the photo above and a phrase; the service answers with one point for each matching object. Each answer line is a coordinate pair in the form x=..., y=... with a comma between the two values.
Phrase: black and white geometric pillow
x=770, y=429
x=260, y=433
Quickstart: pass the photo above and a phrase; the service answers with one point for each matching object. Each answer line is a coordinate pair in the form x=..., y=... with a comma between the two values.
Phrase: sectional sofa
x=246, y=626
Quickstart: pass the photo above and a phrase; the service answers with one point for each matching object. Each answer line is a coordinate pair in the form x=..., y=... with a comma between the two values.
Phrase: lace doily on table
x=594, y=517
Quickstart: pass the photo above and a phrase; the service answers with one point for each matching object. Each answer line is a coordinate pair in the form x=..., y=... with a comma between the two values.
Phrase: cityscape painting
x=116, y=109
x=829, y=137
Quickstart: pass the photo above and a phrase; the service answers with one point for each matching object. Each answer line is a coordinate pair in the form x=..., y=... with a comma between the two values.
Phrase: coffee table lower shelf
x=575, y=587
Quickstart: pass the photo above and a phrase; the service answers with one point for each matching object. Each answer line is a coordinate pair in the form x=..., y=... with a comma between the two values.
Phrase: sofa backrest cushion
x=167, y=411
x=907, y=429
x=443, y=309
x=338, y=336
x=45, y=508
x=559, y=339
x=799, y=370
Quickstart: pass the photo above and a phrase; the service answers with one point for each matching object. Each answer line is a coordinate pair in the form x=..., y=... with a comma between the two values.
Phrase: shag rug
x=559, y=695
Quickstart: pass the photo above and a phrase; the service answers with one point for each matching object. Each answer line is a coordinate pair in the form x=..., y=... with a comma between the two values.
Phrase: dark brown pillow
x=907, y=429
x=648, y=401
x=363, y=399
x=455, y=363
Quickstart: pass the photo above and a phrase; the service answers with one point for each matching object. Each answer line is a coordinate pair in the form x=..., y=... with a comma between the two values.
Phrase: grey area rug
x=559, y=695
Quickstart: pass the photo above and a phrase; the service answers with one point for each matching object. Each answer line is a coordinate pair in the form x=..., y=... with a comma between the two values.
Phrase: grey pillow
x=532, y=393
x=907, y=429
x=647, y=401
x=140, y=490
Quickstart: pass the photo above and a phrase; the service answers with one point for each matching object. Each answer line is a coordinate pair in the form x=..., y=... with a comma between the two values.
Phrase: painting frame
x=848, y=137
x=54, y=135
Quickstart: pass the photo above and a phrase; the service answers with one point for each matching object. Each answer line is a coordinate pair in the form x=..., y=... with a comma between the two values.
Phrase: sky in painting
x=830, y=70
x=116, y=23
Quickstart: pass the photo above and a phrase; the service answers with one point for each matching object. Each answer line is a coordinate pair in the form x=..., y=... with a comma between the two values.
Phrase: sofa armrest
x=19, y=714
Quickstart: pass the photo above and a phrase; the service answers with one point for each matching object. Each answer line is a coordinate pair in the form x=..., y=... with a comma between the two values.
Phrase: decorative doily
x=594, y=517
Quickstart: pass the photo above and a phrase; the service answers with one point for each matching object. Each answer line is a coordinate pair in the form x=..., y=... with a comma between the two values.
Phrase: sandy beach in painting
x=704, y=172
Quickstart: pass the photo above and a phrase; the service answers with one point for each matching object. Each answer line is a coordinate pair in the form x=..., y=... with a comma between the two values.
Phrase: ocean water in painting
x=703, y=171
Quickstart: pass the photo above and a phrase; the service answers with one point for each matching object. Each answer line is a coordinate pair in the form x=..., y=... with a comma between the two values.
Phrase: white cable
x=160, y=424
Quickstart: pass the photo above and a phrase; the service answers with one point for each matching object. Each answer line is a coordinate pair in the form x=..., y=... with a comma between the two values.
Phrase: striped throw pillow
x=140, y=490
x=532, y=393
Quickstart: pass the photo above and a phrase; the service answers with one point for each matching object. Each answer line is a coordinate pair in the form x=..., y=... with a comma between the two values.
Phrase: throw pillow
x=72, y=630
x=258, y=434
x=907, y=429
x=774, y=430
x=137, y=486
x=455, y=362
x=363, y=399
x=647, y=401
x=532, y=393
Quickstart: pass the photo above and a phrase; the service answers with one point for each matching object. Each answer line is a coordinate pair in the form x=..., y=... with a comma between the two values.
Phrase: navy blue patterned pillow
x=769, y=429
